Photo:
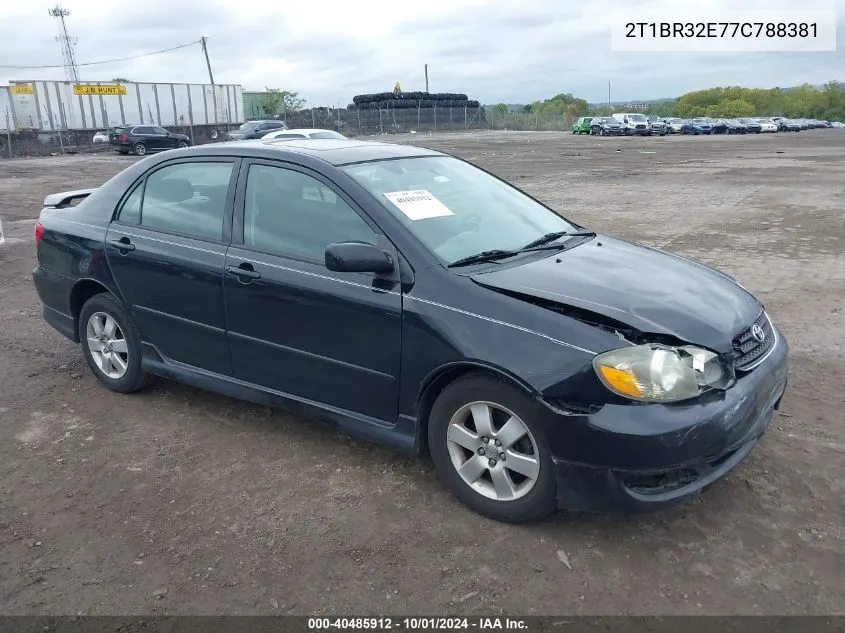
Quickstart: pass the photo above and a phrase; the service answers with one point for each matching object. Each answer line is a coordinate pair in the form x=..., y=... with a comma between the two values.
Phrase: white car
x=767, y=125
x=100, y=137
x=304, y=133
x=674, y=124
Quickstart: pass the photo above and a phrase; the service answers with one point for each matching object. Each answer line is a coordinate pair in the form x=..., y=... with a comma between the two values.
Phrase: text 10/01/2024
x=418, y=624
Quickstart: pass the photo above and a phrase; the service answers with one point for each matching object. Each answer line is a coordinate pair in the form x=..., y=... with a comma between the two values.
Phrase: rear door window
x=186, y=198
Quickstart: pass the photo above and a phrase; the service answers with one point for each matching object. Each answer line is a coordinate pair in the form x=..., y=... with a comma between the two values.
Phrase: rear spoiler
x=67, y=198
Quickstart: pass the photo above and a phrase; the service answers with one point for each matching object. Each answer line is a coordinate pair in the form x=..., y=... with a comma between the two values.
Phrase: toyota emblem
x=758, y=333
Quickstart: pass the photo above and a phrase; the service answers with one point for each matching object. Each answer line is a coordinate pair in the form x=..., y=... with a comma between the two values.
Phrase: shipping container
x=62, y=105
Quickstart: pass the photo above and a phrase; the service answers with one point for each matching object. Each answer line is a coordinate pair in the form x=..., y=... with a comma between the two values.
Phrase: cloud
x=506, y=50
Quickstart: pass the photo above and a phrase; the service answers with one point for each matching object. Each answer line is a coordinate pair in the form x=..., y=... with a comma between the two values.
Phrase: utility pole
x=426, y=77
x=204, y=42
x=67, y=43
x=608, y=95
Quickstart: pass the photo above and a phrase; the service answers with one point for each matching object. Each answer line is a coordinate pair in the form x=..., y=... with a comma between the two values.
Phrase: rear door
x=294, y=326
x=166, y=249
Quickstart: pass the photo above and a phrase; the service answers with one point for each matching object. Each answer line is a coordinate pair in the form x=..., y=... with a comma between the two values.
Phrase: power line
x=106, y=61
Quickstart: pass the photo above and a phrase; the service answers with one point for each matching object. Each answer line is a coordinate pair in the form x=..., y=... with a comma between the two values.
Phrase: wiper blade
x=484, y=256
x=545, y=239
x=551, y=237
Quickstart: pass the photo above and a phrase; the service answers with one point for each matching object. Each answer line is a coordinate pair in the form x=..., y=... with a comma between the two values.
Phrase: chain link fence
x=364, y=121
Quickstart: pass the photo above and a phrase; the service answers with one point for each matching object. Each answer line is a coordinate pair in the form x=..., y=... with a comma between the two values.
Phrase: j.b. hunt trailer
x=50, y=106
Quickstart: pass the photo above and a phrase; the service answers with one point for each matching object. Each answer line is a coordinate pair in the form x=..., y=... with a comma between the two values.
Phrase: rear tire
x=139, y=149
x=111, y=344
x=521, y=487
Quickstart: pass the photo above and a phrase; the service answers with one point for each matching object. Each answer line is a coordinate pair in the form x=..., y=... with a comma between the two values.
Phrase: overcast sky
x=499, y=50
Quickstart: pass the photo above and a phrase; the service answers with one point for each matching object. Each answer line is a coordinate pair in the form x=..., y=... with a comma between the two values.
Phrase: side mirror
x=357, y=257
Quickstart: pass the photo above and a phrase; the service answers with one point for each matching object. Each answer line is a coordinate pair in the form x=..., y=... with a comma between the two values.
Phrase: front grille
x=747, y=349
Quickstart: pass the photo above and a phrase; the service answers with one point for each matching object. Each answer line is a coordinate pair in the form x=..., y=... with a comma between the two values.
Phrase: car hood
x=647, y=289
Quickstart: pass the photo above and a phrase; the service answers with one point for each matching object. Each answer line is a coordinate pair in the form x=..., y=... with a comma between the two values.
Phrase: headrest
x=174, y=189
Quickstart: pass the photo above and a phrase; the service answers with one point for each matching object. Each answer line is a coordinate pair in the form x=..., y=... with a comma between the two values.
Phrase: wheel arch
x=81, y=292
x=437, y=380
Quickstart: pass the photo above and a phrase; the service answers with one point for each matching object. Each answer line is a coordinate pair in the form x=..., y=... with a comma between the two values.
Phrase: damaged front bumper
x=634, y=458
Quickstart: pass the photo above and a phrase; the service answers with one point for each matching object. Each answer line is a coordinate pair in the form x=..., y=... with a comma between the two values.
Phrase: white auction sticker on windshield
x=418, y=205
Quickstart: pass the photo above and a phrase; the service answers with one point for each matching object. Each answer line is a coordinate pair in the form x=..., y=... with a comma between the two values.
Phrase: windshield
x=637, y=117
x=327, y=134
x=455, y=209
x=248, y=126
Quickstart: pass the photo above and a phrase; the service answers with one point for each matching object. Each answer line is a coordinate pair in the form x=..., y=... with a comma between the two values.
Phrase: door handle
x=123, y=244
x=243, y=271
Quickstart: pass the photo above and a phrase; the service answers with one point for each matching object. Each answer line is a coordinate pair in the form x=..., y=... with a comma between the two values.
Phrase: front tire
x=111, y=344
x=182, y=144
x=490, y=450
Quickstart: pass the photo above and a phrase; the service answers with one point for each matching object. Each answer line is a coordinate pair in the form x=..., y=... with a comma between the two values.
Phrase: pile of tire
x=400, y=104
x=360, y=100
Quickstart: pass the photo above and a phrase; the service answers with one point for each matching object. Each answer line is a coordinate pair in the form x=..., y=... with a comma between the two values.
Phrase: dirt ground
x=178, y=501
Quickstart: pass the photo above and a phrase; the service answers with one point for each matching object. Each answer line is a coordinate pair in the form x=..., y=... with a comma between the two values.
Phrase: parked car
x=767, y=125
x=719, y=126
x=656, y=125
x=304, y=133
x=2, y=234
x=255, y=129
x=752, y=126
x=674, y=124
x=426, y=304
x=635, y=123
x=605, y=126
x=696, y=126
x=582, y=125
x=143, y=139
x=735, y=127
x=790, y=125
x=100, y=136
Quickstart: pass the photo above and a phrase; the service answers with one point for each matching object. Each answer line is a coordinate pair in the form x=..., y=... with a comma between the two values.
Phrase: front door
x=294, y=326
x=162, y=137
x=166, y=250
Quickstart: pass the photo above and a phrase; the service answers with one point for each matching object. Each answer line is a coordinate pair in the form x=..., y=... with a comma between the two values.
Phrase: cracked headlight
x=661, y=373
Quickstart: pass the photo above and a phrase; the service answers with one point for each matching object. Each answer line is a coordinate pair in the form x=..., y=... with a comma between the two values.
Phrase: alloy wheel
x=107, y=345
x=493, y=451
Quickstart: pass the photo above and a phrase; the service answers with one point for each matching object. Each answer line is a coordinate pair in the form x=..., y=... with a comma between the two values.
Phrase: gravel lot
x=178, y=501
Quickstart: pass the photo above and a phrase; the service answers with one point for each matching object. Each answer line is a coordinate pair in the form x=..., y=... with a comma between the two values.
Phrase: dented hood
x=649, y=290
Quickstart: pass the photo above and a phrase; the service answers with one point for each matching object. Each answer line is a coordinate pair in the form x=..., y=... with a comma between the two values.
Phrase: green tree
x=499, y=109
x=276, y=101
x=564, y=103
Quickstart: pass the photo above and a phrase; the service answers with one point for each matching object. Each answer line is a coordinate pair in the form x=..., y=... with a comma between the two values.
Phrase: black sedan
x=719, y=126
x=605, y=126
x=413, y=299
x=751, y=126
x=143, y=139
x=735, y=127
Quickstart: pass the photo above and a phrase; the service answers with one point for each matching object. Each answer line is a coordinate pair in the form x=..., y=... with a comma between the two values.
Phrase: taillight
x=39, y=232
x=124, y=138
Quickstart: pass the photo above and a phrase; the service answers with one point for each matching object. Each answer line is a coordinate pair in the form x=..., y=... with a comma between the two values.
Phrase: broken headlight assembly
x=662, y=373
